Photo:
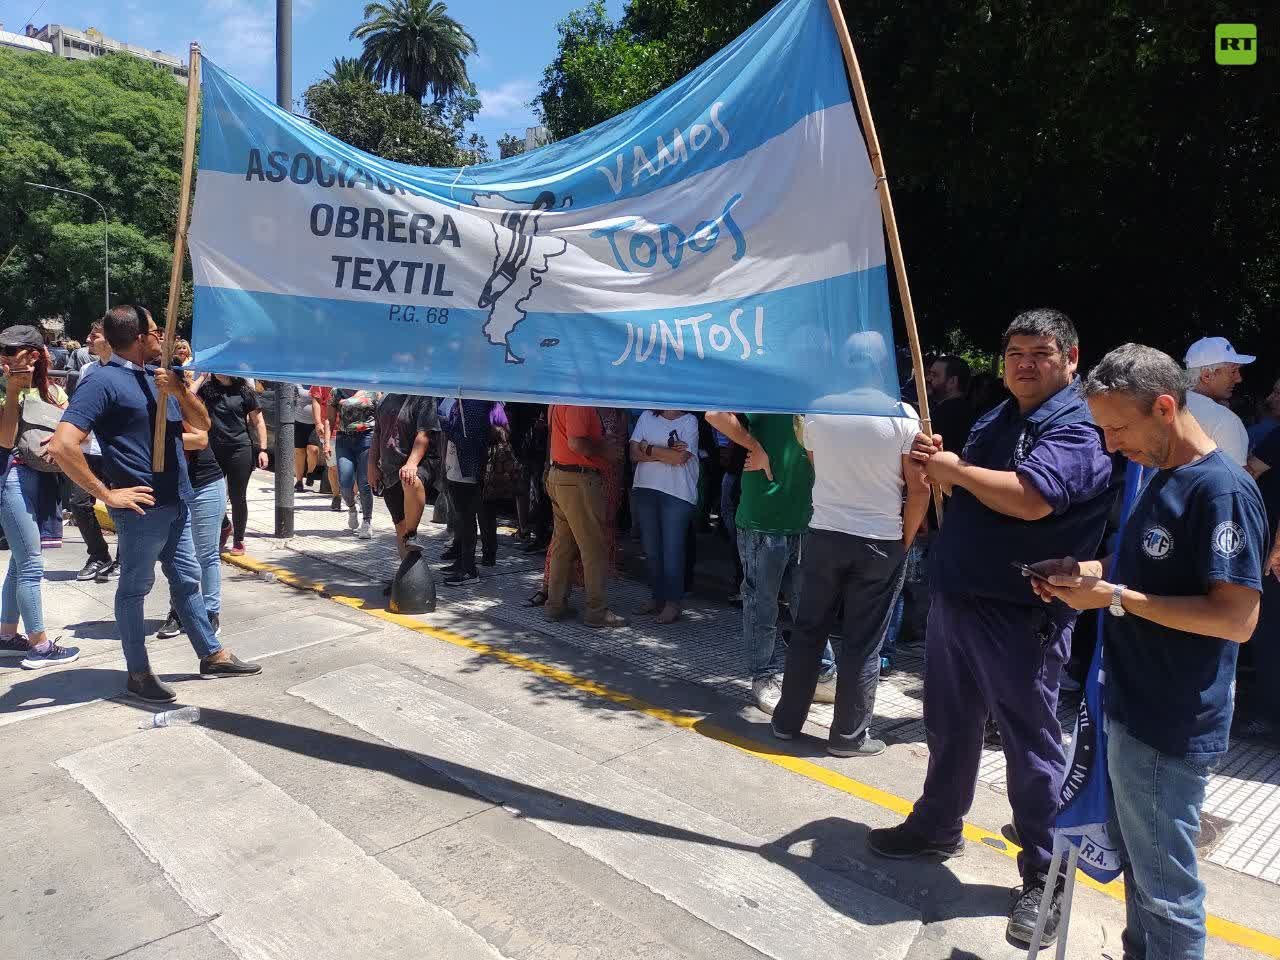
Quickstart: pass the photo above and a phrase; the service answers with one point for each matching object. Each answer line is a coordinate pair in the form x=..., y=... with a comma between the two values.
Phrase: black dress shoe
x=233, y=666
x=148, y=687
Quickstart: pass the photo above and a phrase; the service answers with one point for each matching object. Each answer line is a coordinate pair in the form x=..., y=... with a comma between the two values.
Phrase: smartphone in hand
x=1028, y=571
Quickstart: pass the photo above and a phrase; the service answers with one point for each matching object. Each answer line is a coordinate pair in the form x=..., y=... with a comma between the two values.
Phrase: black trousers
x=81, y=506
x=467, y=502
x=866, y=575
x=237, y=465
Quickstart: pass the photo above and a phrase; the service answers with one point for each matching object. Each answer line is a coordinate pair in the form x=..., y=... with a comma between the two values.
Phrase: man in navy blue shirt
x=1033, y=482
x=1183, y=594
x=118, y=405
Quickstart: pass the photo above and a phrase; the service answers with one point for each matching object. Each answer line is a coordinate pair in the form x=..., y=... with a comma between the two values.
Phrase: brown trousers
x=578, y=512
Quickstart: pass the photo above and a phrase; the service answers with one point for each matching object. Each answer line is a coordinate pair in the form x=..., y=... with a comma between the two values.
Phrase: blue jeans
x=19, y=495
x=664, y=528
x=164, y=534
x=206, y=530
x=1156, y=800
x=767, y=558
x=353, y=470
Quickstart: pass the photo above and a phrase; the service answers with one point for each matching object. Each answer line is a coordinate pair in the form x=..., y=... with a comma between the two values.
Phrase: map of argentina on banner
x=718, y=247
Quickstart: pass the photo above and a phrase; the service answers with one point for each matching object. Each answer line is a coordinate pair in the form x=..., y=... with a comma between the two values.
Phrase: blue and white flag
x=1086, y=790
x=719, y=246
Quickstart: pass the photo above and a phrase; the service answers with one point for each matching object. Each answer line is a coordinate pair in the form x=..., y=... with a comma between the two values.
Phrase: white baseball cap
x=1211, y=351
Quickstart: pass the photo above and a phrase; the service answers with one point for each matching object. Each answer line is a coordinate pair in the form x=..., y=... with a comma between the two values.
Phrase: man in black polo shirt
x=118, y=405
x=1033, y=481
x=1183, y=593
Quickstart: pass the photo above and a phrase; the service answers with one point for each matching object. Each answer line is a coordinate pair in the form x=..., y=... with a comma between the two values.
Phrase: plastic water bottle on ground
x=183, y=716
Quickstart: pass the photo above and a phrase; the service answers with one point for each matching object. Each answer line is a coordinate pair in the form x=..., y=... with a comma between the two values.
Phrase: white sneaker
x=826, y=691
x=766, y=692
x=353, y=518
x=366, y=531
x=55, y=655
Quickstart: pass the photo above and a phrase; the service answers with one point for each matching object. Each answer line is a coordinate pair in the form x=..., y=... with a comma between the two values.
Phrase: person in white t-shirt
x=664, y=448
x=869, y=498
x=1213, y=370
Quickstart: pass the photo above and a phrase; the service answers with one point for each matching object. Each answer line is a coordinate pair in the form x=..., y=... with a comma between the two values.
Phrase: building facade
x=22, y=43
x=90, y=43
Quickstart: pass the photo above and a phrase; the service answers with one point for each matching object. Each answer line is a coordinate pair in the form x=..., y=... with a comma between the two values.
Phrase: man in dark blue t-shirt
x=1033, y=481
x=1264, y=465
x=1183, y=594
x=118, y=405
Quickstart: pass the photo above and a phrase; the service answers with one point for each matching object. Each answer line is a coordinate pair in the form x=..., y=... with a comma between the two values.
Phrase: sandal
x=539, y=599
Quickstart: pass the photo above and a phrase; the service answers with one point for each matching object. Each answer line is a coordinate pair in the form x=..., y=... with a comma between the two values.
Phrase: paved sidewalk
x=1242, y=822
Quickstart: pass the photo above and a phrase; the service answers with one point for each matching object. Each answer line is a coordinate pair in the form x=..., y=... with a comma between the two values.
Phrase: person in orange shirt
x=575, y=483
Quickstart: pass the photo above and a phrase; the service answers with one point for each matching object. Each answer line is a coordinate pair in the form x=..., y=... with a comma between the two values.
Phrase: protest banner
x=718, y=247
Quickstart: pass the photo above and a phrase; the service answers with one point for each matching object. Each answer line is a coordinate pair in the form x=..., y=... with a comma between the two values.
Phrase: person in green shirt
x=773, y=515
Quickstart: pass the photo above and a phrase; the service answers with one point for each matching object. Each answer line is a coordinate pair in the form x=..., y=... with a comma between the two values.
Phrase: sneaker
x=451, y=567
x=55, y=655
x=353, y=517
x=991, y=735
x=1026, y=908
x=148, y=687
x=460, y=578
x=366, y=531
x=108, y=573
x=780, y=734
x=237, y=550
x=869, y=747
x=90, y=569
x=336, y=505
x=233, y=666
x=607, y=621
x=904, y=843
x=825, y=692
x=172, y=627
x=886, y=669
x=766, y=691
x=14, y=647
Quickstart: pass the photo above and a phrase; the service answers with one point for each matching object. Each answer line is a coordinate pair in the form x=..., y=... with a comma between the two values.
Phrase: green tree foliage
x=396, y=126
x=111, y=128
x=1088, y=156
x=509, y=145
x=415, y=47
x=347, y=68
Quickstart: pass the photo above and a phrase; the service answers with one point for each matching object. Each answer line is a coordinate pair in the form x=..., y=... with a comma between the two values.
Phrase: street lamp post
x=106, y=250
x=285, y=392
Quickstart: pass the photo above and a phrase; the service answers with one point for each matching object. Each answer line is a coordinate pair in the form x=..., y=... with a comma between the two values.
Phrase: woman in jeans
x=207, y=510
x=27, y=499
x=356, y=412
x=233, y=408
x=664, y=448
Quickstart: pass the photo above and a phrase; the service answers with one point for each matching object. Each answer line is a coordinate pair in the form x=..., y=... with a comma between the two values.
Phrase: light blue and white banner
x=718, y=247
x=1086, y=789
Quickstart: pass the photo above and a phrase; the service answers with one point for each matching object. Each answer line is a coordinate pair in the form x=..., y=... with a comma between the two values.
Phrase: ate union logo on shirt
x=1157, y=543
x=1227, y=540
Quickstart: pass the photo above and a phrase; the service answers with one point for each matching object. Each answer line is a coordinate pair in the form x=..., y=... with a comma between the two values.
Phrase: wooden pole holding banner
x=179, y=253
x=890, y=222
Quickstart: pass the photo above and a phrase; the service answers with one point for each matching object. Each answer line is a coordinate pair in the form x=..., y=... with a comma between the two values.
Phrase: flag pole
x=890, y=222
x=179, y=253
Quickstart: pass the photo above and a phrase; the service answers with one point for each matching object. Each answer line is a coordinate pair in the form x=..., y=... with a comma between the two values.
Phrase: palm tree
x=347, y=68
x=415, y=47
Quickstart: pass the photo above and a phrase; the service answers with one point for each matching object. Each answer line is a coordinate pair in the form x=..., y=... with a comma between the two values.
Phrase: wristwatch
x=1117, y=596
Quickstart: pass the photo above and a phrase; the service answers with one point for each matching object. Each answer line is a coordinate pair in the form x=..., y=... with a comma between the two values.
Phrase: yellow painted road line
x=1217, y=927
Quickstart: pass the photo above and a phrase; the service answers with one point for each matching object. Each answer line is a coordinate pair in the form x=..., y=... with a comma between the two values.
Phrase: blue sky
x=516, y=40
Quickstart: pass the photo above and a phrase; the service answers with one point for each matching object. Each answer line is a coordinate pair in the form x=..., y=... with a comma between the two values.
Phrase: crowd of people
x=840, y=555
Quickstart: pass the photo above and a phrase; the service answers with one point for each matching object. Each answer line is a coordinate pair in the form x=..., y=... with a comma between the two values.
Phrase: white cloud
x=508, y=100
x=240, y=35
